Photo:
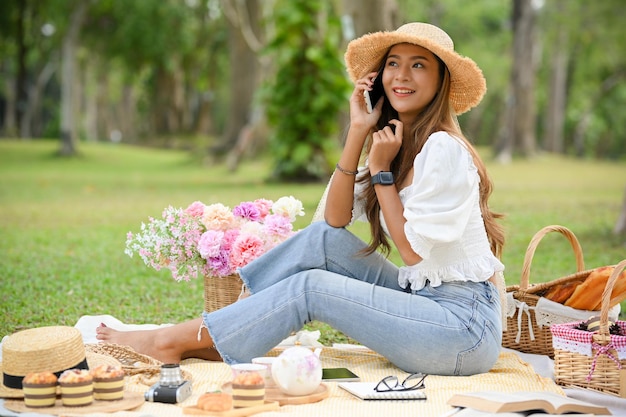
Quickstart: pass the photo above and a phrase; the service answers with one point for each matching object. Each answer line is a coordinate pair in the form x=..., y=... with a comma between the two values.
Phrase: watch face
x=383, y=178
x=386, y=178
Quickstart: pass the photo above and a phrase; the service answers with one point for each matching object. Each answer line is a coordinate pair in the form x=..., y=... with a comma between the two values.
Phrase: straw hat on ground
x=468, y=85
x=53, y=349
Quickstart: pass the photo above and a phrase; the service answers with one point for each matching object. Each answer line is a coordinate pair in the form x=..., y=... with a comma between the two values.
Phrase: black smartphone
x=339, y=374
x=371, y=97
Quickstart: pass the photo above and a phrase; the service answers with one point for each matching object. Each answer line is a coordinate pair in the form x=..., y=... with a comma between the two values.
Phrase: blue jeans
x=319, y=274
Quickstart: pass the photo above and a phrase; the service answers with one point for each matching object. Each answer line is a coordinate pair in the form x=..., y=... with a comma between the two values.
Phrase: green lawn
x=63, y=224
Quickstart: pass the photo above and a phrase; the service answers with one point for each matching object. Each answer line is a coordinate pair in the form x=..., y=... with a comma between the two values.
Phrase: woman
x=423, y=189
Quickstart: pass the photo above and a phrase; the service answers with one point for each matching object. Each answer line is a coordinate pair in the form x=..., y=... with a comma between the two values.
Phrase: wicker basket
x=523, y=333
x=595, y=361
x=221, y=291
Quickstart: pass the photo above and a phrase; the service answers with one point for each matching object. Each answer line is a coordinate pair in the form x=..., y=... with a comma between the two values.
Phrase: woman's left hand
x=385, y=146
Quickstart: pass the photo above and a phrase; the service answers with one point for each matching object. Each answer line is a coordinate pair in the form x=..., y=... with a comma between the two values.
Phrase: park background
x=112, y=110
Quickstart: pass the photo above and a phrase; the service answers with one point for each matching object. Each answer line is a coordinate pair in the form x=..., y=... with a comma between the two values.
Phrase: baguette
x=588, y=295
x=562, y=292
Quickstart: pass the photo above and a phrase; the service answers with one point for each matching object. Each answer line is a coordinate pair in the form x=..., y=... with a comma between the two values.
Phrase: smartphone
x=339, y=374
x=372, y=97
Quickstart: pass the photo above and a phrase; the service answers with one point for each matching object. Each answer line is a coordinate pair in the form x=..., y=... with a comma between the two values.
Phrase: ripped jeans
x=318, y=274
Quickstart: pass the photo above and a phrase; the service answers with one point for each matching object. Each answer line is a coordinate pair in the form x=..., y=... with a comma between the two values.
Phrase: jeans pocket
x=482, y=356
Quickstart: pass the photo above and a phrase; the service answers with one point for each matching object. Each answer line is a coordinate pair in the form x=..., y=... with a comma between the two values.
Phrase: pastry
x=215, y=401
x=248, y=389
x=76, y=387
x=108, y=382
x=40, y=389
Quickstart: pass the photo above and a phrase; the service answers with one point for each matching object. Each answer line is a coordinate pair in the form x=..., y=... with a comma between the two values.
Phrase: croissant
x=215, y=401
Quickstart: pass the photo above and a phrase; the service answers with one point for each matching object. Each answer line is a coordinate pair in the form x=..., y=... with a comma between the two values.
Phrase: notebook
x=365, y=391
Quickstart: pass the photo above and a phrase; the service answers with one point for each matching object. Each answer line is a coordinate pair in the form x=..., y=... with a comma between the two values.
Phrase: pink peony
x=277, y=225
x=264, y=206
x=248, y=211
x=209, y=243
x=245, y=249
x=195, y=209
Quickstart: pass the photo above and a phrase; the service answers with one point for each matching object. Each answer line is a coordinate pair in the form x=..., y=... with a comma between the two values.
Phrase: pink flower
x=209, y=243
x=277, y=224
x=195, y=209
x=248, y=211
x=245, y=249
x=264, y=206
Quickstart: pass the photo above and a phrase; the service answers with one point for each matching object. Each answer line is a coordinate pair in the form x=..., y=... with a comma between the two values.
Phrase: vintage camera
x=171, y=388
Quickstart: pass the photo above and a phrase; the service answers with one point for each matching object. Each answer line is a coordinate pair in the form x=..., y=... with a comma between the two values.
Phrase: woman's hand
x=385, y=146
x=359, y=117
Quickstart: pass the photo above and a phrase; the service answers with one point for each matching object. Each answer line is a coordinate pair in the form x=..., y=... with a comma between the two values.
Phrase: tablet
x=339, y=374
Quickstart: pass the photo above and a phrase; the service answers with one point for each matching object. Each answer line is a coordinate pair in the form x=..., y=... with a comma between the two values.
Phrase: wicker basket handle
x=534, y=242
x=606, y=298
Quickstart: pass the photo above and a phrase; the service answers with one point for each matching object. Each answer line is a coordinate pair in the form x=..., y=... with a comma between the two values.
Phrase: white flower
x=288, y=206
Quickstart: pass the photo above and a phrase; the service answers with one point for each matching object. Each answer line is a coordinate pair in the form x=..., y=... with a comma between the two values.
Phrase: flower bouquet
x=213, y=240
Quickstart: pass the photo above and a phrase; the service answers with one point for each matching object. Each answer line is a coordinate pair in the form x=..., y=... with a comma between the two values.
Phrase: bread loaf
x=588, y=295
x=560, y=293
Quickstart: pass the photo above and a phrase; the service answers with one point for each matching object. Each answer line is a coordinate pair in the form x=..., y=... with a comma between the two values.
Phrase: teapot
x=297, y=371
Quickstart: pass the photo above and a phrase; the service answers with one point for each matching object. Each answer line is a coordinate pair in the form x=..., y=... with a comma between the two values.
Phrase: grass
x=63, y=224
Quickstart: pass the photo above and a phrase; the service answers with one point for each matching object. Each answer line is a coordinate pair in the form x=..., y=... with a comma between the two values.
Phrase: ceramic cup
x=266, y=361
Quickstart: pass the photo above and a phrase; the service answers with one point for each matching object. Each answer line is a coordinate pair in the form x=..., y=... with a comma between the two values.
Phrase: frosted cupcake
x=40, y=389
x=76, y=388
x=108, y=382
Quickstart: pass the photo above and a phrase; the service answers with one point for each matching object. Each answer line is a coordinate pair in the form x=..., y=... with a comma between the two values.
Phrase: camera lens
x=171, y=375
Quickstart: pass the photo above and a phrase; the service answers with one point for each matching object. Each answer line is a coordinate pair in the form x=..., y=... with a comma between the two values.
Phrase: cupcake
x=108, y=382
x=76, y=387
x=40, y=389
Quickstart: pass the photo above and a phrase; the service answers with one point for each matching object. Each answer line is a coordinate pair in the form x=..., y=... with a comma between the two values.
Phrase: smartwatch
x=383, y=178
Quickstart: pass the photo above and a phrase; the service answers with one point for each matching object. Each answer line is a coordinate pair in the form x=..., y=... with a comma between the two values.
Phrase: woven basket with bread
x=532, y=309
x=592, y=354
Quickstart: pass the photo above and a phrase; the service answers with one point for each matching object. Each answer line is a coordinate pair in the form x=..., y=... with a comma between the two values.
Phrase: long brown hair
x=437, y=116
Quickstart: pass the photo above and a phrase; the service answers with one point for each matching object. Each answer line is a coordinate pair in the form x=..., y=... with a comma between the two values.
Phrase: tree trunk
x=518, y=133
x=68, y=69
x=370, y=15
x=555, y=117
x=620, y=226
x=10, y=123
x=21, y=81
x=244, y=73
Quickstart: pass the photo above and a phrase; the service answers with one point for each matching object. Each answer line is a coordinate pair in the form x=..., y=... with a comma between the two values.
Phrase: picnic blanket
x=511, y=373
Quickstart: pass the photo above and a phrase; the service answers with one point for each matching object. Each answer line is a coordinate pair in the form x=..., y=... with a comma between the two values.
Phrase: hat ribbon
x=13, y=381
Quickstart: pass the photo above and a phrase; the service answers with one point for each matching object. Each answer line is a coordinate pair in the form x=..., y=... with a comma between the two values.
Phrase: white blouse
x=444, y=224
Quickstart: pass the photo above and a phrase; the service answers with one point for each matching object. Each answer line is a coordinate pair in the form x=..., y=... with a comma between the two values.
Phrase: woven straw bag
x=594, y=361
x=146, y=369
x=221, y=291
x=528, y=327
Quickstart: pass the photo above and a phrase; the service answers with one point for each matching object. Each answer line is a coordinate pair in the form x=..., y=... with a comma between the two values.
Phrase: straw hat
x=468, y=85
x=53, y=349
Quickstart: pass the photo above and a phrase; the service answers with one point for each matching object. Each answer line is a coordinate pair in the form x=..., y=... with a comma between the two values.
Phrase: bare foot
x=148, y=342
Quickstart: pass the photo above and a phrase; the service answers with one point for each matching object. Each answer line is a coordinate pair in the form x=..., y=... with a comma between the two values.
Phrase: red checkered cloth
x=567, y=337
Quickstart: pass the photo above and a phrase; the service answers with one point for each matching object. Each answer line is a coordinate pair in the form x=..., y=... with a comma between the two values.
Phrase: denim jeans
x=319, y=274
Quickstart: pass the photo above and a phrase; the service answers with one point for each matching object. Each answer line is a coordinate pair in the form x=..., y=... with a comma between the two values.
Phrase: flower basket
x=221, y=291
x=214, y=241
x=594, y=361
x=529, y=315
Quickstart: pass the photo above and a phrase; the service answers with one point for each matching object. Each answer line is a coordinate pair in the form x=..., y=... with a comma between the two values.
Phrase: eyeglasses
x=391, y=383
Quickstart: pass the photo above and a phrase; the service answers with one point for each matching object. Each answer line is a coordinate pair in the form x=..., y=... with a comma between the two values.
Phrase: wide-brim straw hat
x=468, y=85
x=53, y=349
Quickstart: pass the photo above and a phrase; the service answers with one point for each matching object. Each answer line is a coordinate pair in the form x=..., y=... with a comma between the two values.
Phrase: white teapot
x=297, y=371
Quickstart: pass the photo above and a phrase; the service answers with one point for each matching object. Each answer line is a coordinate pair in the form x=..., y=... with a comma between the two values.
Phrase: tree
x=518, y=132
x=308, y=90
x=68, y=72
